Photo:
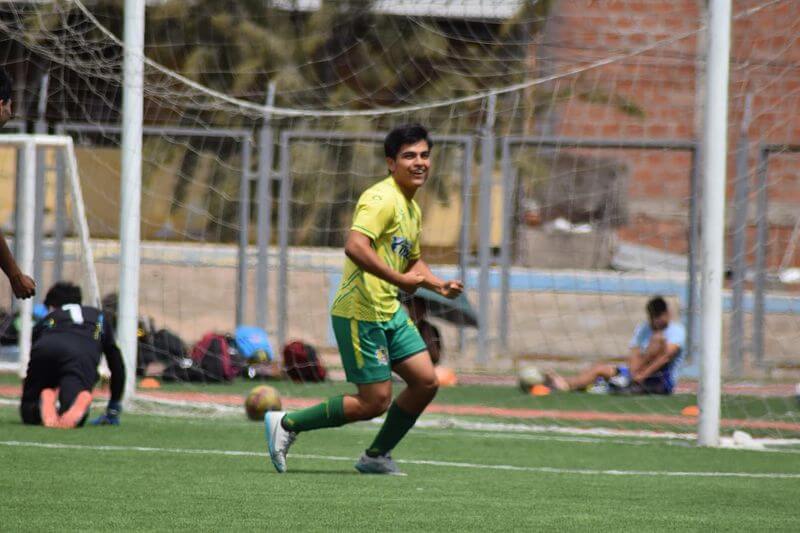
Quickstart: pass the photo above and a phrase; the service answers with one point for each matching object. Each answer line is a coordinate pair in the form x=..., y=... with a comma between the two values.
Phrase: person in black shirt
x=66, y=349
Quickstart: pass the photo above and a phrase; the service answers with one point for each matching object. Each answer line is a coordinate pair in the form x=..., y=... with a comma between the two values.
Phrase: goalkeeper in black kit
x=66, y=349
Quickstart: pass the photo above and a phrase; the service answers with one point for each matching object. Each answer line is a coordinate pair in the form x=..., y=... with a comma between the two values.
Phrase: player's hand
x=451, y=289
x=6, y=113
x=410, y=282
x=110, y=417
x=22, y=285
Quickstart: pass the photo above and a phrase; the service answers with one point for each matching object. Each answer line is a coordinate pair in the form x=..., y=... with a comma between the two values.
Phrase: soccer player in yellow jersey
x=374, y=333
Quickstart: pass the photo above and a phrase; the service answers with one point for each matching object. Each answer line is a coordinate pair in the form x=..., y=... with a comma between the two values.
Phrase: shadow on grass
x=310, y=471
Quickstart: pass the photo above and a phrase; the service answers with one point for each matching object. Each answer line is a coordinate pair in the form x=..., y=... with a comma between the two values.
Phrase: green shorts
x=369, y=349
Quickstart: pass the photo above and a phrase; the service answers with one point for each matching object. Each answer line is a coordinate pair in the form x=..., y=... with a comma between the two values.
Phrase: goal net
x=565, y=189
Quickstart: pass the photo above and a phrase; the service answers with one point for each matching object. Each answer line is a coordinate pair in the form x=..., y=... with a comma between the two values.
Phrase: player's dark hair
x=63, y=293
x=402, y=135
x=657, y=306
x=5, y=85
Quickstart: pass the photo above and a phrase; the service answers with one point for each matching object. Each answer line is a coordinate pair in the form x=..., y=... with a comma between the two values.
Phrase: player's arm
x=360, y=250
x=117, y=368
x=117, y=386
x=22, y=285
x=656, y=363
x=634, y=359
x=448, y=289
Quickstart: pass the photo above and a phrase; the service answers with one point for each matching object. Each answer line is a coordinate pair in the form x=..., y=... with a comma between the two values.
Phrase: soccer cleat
x=278, y=439
x=600, y=386
x=621, y=379
x=382, y=464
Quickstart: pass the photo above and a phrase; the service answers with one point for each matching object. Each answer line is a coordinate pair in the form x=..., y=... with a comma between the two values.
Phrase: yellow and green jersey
x=394, y=224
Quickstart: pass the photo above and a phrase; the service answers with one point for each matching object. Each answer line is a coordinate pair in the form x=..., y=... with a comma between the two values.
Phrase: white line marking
x=447, y=464
x=473, y=429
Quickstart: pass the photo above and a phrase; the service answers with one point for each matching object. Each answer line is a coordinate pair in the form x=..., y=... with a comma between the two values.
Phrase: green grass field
x=212, y=474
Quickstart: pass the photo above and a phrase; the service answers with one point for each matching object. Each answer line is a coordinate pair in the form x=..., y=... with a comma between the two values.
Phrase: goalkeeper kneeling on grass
x=66, y=349
x=657, y=349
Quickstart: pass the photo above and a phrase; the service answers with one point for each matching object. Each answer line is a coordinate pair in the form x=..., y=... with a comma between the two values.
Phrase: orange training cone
x=540, y=390
x=691, y=410
x=149, y=383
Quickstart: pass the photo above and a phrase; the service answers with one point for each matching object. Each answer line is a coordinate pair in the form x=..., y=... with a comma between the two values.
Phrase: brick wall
x=651, y=95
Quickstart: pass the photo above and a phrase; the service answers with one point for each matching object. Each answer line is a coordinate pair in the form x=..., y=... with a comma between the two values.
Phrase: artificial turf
x=174, y=473
x=733, y=407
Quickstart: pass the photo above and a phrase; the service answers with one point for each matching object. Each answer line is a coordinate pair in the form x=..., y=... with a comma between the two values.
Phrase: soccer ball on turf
x=528, y=376
x=260, y=400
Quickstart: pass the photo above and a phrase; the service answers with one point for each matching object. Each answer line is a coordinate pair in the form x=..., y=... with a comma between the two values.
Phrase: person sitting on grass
x=66, y=349
x=657, y=349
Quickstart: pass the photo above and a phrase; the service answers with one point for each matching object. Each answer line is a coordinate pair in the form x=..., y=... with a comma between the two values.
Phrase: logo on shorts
x=401, y=247
x=382, y=354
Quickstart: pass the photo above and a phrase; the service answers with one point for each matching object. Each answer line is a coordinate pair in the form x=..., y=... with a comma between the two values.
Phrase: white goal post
x=27, y=146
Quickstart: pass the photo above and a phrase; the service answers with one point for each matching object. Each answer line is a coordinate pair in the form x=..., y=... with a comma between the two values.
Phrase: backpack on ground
x=163, y=346
x=301, y=363
x=217, y=357
x=253, y=344
x=183, y=370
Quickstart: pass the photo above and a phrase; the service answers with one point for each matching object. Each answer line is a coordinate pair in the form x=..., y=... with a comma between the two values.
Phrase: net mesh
x=597, y=107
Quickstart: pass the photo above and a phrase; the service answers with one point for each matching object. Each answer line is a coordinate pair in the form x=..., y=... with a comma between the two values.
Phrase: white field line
x=445, y=464
x=497, y=430
x=454, y=423
x=438, y=422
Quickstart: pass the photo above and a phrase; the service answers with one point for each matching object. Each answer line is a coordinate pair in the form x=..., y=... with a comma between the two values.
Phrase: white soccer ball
x=528, y=376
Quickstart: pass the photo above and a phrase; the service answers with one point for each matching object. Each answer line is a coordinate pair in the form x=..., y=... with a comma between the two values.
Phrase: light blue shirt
x=675, y=334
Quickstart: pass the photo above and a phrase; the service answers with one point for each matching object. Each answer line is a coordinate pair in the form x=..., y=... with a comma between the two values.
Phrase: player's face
x=5, y=112
x=660, y=322
x=411, y=167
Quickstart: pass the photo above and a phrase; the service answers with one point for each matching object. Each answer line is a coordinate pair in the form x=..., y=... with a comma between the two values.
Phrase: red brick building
x=651, y=93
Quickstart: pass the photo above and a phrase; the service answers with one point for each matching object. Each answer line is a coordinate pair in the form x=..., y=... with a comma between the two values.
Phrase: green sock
x=394, y=428
x=328, y=414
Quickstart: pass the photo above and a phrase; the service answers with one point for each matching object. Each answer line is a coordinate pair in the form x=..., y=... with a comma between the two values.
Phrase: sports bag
x=216, y=357
x=301, y=363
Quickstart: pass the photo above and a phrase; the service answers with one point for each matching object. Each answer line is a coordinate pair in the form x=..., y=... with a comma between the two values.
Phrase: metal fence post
x=762, y=244
x=739, y=259
x=264, y=202
x=509, y=186
x=61, y=218
x=693, y=264
x=41, y=170
x=244, y=233
x=485, y=223
x=283, y=237
x=465, y=240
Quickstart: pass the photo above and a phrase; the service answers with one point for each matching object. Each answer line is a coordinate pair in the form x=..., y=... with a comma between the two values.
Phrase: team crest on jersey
x=382, y=354
x=401, y=246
